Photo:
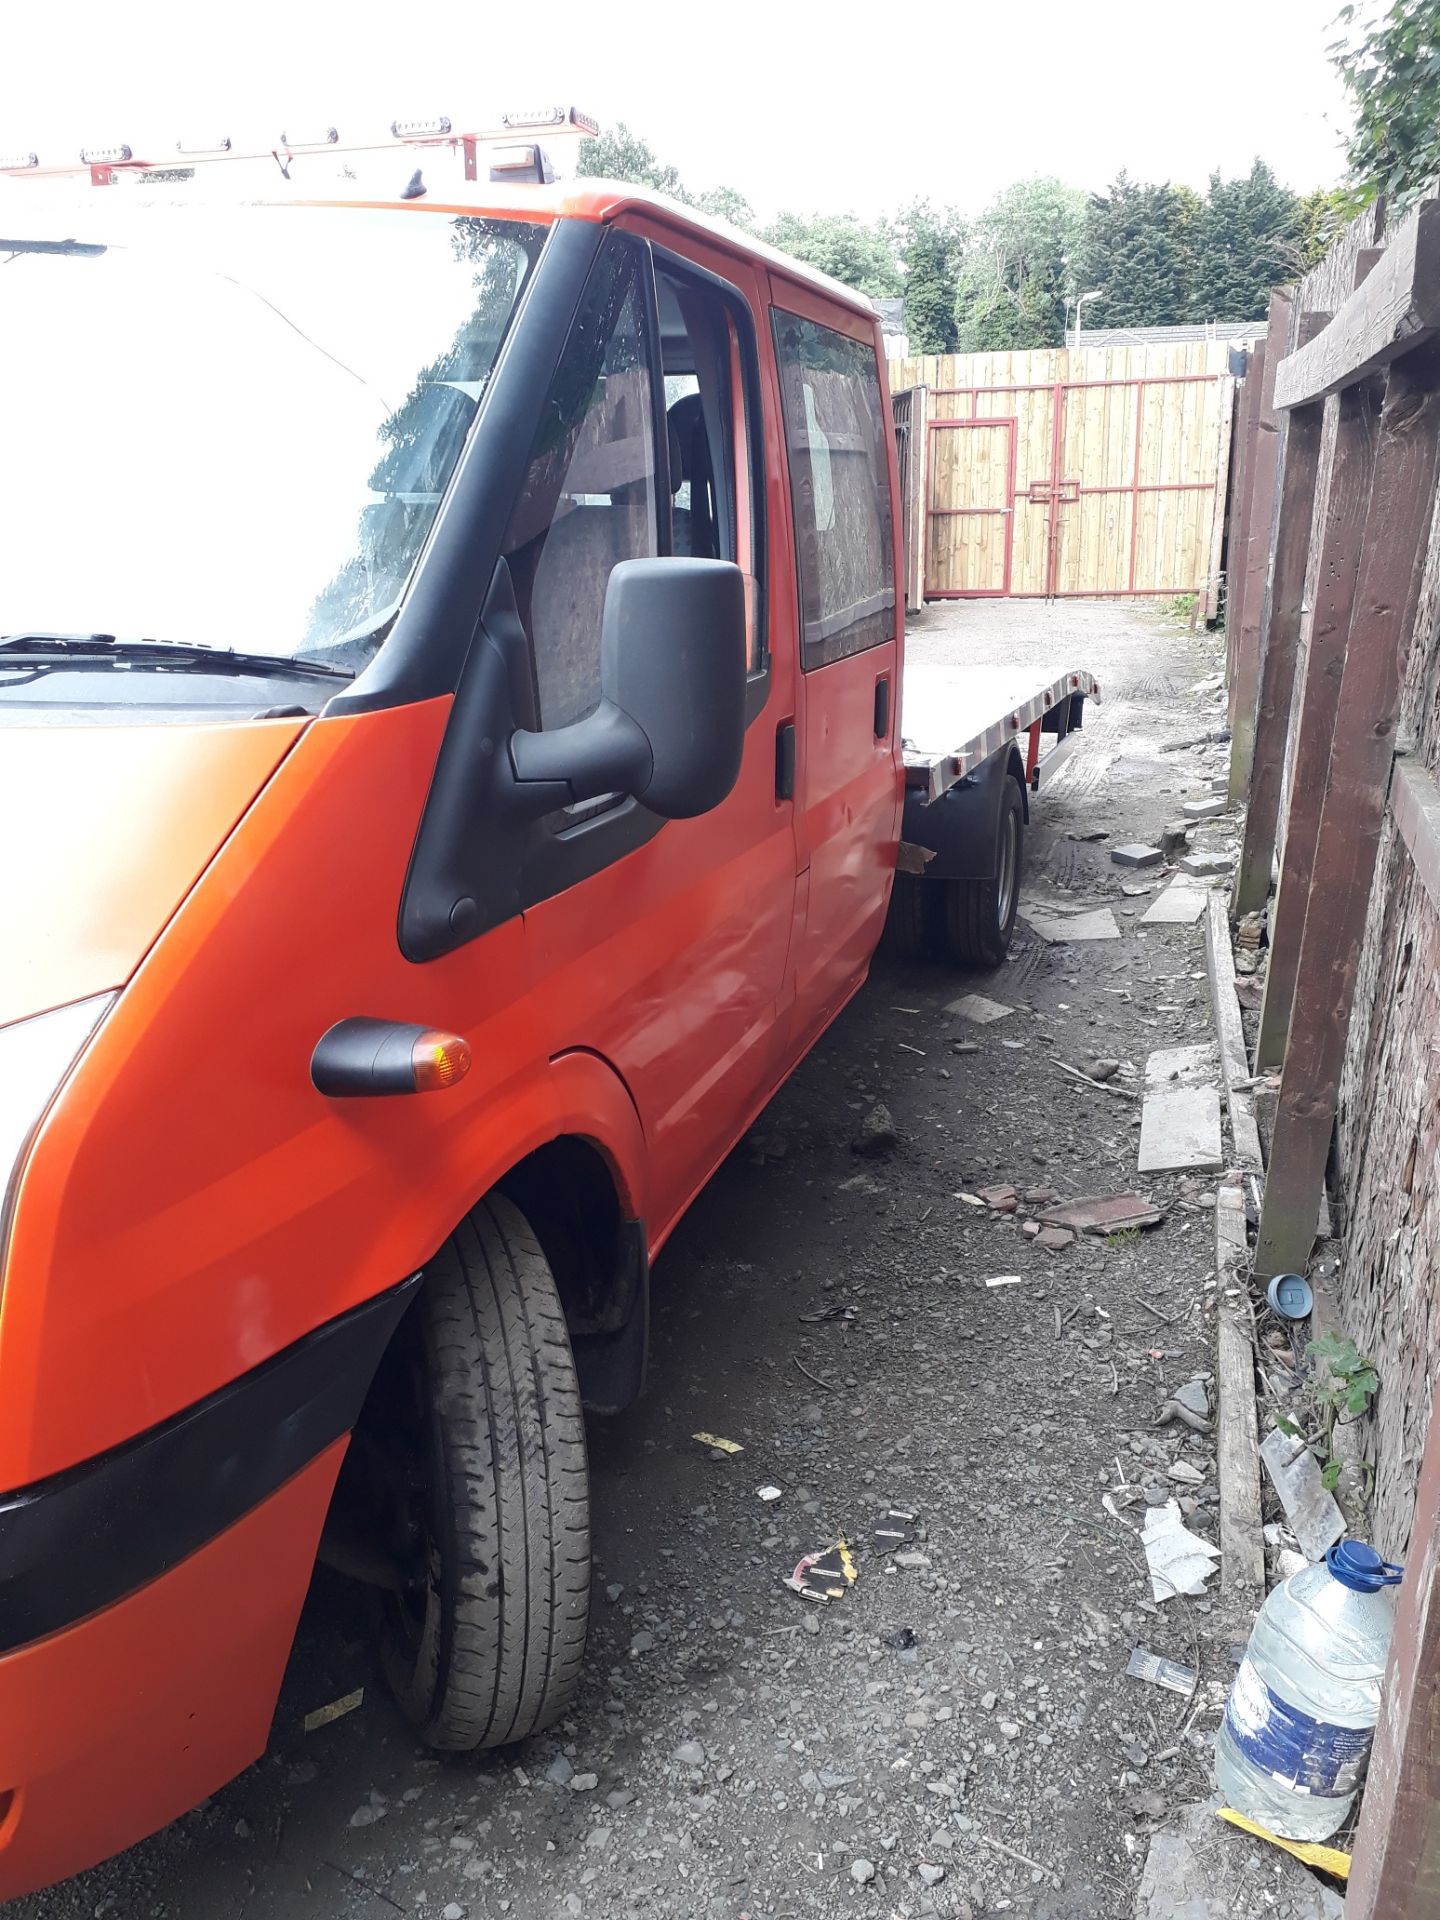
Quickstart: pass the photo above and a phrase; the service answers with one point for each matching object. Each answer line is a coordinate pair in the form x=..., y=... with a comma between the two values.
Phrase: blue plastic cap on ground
x=1359, y=1567
x=1290, y=1296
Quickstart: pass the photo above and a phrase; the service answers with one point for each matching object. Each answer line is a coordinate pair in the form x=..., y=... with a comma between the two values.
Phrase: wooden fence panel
x=1120, y=460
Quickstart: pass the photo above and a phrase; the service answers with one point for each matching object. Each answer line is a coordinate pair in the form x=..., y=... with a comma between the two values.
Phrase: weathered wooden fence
x=1090, y=473
x=1334, y=642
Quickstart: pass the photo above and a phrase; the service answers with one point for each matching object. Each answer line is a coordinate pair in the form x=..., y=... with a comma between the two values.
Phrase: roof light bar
x=550, y=117
x=222, y=145
x=316, y=137
x=106, y=156
x=435, y=129
x=18, y=162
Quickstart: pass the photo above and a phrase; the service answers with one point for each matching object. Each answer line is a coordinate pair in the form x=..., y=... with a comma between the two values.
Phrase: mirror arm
x=606, y=752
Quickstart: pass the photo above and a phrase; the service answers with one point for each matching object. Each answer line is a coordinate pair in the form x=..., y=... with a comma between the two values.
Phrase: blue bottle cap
x=1290, y=1296
x=1359, y=1567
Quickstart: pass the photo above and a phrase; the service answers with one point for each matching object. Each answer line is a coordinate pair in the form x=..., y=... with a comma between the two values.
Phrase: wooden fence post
x=1280, y=632
x=1246, y=421
x=1257, y=554
x=1396, y=1867
x=1361, y=751
x=1342, y=520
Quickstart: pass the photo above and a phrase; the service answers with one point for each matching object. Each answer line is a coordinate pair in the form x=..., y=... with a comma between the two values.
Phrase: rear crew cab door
x=660, y=945
x=835, y=411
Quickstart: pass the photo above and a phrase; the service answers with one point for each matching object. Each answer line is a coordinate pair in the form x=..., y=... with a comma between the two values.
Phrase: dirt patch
x=956, y=1734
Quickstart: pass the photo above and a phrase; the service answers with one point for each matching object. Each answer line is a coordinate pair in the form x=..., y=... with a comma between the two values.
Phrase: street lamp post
x=1093, y=294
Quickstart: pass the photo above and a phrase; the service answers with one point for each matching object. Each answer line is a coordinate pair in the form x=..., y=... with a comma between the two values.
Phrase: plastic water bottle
x=1292, y=1748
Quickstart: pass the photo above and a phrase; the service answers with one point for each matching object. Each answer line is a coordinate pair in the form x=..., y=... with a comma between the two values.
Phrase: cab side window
x=835, y=435
x=591, y=494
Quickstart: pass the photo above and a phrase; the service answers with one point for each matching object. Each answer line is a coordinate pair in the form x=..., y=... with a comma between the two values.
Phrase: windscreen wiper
x=84, y=650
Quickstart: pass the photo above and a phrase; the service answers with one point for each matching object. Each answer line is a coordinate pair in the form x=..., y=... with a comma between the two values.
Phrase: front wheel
x=484, y=1642
x=977, y=917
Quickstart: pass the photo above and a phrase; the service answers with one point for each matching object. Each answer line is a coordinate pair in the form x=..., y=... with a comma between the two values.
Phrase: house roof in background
x=1231, y=331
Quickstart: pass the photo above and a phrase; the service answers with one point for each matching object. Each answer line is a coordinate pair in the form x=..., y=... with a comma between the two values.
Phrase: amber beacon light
x=365, y=1057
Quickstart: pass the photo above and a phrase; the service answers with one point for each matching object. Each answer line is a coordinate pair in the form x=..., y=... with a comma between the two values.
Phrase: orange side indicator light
x=361, y=1058
x=440, y=1060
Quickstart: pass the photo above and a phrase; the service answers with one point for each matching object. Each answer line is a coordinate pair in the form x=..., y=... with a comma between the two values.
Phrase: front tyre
x=977, y=917
x=484, y=1643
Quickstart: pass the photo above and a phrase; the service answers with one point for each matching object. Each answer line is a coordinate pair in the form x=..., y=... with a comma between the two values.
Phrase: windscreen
x=234, y=428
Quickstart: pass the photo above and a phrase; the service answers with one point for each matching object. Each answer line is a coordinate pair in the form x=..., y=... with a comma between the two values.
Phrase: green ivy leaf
x=1331, y=1475
x=1287, y=1427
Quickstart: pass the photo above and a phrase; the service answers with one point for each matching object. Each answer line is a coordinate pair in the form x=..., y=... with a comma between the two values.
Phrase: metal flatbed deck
x=953, y=717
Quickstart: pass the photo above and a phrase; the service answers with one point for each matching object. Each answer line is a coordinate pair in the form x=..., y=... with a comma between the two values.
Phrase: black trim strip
x=85, y=1538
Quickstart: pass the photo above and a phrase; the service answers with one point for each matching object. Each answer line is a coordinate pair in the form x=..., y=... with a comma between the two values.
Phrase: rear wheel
x=483, y=1643
x=977, y=917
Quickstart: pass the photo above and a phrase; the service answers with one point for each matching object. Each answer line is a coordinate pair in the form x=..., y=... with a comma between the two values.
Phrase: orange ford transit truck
x=451, y=770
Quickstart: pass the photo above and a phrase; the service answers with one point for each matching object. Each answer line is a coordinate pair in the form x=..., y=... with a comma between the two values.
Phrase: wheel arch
x=960, y=827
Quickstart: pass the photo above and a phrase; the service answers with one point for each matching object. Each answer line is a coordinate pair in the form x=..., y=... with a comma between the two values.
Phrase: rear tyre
x=484, y=1644
x=977, y=917
x=909, y=927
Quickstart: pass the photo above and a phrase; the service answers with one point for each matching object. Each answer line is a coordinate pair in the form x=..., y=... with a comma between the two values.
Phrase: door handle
x=785, y=760
x=882, y=707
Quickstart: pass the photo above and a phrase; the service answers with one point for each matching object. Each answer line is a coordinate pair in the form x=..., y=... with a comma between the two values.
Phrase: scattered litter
x=1145, y=1665
x=1290, y=1296
x=1185, y=1473
x=1180, y=1131
x=1328, y=1859
x=901, y=1639
x=974, y=1006
x=1005, y=1280
x=1015, y=1046
x=1061, y=929
x=1136, y=890
x=877, y=1132
x=894, y=1528
x=1309, y=1507
x=767, y=1494
x=836, y=1312
x=1104, y=1213
x=1136, y=855
x=1179, y=1561
x=970, y=1199
x=826, y=1575
x=714, y=1440
x=1203, y=809
x=1177, y=907
x=337, y=1710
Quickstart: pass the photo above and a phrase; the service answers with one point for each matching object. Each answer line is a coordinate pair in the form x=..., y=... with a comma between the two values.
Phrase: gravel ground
x=957, y=1734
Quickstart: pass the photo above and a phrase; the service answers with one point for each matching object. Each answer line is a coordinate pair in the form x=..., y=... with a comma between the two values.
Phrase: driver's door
x=659, y=945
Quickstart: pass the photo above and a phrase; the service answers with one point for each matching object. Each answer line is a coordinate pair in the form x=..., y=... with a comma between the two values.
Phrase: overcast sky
x=841, y=108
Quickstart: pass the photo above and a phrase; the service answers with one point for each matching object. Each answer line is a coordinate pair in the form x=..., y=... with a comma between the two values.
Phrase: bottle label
x=1305, y=1755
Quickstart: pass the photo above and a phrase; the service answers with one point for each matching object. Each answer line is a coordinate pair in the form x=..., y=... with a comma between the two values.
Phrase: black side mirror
x=670, y=727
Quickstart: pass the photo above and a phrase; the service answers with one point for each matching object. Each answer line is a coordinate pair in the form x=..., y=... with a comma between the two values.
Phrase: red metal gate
x=1114, y=453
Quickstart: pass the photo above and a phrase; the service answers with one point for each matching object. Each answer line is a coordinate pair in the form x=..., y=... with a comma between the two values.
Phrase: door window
x=836, y=434
x=591, y=493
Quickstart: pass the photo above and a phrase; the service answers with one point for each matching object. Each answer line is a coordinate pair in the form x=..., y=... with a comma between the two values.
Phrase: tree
x=931, y=246
x=1019, y=268
x=727, y=203
x=619, y=154
x=1247, y=239
x=1392, y=73
x=863, y=257
x=1139, y=251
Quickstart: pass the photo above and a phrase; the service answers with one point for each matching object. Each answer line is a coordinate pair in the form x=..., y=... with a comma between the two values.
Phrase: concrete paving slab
x=1177, y=907
x=1180, y=1131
